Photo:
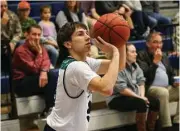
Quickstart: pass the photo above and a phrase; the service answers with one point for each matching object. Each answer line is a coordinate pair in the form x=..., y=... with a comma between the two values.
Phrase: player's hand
x=157, y=56
x=103, y=45
x=43, y=79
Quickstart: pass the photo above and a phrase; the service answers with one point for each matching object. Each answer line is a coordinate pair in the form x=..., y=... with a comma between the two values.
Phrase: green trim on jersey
x=66, y=62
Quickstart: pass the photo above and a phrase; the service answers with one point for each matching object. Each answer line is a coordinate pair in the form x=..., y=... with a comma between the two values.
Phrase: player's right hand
x=104, y=46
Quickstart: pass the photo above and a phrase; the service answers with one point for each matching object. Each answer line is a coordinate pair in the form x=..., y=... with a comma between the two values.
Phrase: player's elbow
x=104, y=90
x=108, y=92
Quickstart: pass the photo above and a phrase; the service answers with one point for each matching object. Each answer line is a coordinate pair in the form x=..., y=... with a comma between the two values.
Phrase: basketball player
x=78, y=77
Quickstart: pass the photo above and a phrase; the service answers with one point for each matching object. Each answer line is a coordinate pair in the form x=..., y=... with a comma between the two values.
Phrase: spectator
x=26, y=21
x=49, y=34
x=89, y=9
x=10, y=26
x=129, y=93
x=159, y=78
x=71, y=13
x=151, y=8
x=10, y=34
x=23, y=14
x=142, y=23
x=104, y=7
x=75, y=93
x=31, y=74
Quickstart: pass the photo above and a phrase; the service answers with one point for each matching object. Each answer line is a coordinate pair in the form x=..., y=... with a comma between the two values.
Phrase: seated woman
x=129, y=93
x=71, y=13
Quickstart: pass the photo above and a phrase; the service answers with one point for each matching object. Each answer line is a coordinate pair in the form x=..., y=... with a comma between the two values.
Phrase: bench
x=29, y=105
x=105, y=118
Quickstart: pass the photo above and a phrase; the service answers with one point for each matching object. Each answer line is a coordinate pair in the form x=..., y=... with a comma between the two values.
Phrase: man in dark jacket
x=159, y=77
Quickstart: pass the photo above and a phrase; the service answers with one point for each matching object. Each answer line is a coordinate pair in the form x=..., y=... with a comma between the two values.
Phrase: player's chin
x=87, y=50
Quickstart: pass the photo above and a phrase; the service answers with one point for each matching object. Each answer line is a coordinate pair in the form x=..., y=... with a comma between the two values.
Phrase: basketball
x=113, y=28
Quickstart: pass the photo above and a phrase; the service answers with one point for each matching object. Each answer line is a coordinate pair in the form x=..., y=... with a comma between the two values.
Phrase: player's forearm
x=110, y=77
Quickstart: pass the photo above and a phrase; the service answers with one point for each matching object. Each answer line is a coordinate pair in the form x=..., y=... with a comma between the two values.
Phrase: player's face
x=131, y=54
x=80, y=41
x=155, y=43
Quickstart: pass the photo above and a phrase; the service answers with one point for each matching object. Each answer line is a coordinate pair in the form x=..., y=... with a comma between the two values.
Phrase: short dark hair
x=65, y=34
x=33, y=26
x=44, y=7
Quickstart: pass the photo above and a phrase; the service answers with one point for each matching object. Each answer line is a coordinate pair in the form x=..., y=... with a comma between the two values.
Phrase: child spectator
x=49, y=34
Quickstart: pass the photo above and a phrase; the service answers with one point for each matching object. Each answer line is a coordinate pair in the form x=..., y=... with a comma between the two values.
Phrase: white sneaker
x=146, y=33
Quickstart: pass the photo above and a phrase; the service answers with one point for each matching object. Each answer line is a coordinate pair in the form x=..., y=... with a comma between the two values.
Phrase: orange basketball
x=113, y=28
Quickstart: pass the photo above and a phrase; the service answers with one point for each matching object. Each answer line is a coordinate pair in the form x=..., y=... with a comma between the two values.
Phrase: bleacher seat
x=10, y=125
x=167, y=44
x=29, y=105
x=35, y=7
x=56, y=7
x=5, y=87
x=174, y=61
x=106, y=118
x=36, y=103
x=141, y=44
x=25, y=105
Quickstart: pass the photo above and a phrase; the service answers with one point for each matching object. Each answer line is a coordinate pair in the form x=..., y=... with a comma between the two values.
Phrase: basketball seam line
x=105, y=28
x=111, y=27
x=116, y=32
x=104, y=23
x=101, y=25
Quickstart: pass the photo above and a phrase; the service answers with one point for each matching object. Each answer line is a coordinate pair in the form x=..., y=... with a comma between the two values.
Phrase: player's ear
x=67, y=44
